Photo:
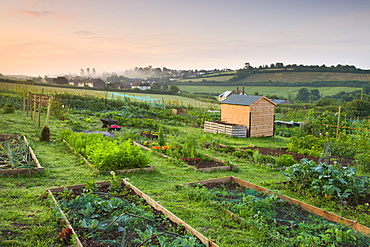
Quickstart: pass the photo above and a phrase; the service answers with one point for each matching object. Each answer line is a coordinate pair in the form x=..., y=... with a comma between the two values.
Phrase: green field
x=279, y=91
x=223, y=78
x=162, y=98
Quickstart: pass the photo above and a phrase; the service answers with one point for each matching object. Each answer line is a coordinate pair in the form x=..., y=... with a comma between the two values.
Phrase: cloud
x=61, y=18
x=85, y=32
x=36, y=14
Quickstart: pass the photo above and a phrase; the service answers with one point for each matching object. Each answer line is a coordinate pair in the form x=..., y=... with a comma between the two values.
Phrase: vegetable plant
x=14, y=153
x=121, y=220
x=330, y=181
x=278, y=222
x=106, y=153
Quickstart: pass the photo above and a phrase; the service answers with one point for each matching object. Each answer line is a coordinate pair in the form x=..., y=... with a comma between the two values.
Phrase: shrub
x=8, y=108
x=285, y=160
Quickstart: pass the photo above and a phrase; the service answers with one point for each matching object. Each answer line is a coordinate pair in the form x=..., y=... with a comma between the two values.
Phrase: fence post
x=338, y=124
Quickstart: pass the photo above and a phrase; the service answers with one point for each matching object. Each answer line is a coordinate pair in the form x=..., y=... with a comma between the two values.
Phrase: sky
x=54, y=37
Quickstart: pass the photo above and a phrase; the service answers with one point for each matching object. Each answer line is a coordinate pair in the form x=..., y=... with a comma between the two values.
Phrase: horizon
x=62, y=37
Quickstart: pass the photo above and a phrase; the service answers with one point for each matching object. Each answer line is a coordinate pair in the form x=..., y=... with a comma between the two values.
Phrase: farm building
x=226, y=94
x=253, y=111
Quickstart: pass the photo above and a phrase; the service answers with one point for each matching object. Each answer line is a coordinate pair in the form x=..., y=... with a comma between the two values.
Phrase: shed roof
x=236, y=99
x=225, y=94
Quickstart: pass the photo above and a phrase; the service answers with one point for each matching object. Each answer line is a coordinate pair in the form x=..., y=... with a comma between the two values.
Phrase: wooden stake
x=34, y=108
x=28, y=102
x=48, y=113
x=40, y=101
x=338, y=124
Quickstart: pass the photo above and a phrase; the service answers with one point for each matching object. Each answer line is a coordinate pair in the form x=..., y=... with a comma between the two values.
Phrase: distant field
x=167, y=99
x=289, y=76
x=216, y=78
x=279, y=91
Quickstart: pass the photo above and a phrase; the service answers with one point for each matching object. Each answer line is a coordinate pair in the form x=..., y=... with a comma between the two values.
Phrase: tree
x=315, y=94
x=303, y=95
x=279, y=65
x=358, y=108
x=156, y=86
x=326, y=102
x=174, y=88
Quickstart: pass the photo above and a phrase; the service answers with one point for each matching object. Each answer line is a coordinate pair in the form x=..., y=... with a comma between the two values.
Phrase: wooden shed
x=253, y=111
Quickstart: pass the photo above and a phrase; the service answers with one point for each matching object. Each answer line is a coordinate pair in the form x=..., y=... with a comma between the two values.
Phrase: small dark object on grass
x=45, y=134
x=8, y=108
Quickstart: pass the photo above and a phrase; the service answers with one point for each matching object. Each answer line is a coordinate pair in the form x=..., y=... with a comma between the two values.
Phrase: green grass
x=27, y=220
x=279, y=91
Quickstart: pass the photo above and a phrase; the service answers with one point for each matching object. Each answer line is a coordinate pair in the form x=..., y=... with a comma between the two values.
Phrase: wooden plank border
x=307, y=207
x=28, y=171
x=148, y=199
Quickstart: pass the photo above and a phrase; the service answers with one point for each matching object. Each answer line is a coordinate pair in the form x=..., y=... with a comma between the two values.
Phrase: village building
x=95, y=83
x=60, y=80
x=226, y=94
x=141, y=85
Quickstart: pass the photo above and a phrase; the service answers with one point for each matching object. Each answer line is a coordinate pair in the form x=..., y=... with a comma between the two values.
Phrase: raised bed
x=130, y=195
x=216, y=164
x=303, y=206
x=31, y=161
x=141, y=169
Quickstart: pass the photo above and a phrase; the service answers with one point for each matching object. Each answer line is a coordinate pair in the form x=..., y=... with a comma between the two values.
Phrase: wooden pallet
x=224, y=128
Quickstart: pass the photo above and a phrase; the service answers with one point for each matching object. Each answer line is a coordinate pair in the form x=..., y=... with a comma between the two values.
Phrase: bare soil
x=298, y=157
x=206, y=164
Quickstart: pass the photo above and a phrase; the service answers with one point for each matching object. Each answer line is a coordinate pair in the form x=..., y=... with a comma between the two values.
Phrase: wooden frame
x=304, y=206
x=149, y=200
x=37, y=169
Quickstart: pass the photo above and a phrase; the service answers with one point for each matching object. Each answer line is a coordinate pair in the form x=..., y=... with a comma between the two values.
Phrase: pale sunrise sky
x=49, y=37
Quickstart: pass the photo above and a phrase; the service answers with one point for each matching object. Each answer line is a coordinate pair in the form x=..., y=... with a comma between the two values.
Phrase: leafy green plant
x=107, y=154
x=125, y=220
x=118, y=155
x=161, y=139
x=329, y=181
x=280, y=222
x=285, y=160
